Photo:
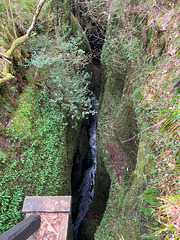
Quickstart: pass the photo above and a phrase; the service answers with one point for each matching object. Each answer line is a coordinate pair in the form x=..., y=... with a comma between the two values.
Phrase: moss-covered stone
x=117, y=144
x=124, y=127
x=78, y=31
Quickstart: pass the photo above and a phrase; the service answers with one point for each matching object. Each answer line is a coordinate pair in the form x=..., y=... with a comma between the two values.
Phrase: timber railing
x=22, y=230
x=47, y=217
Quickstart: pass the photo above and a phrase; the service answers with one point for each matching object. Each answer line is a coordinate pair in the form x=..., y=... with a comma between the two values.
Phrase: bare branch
x=7, y=11
x=4, y=56
x=5, y=59
x=36, y=14
x=137, y=135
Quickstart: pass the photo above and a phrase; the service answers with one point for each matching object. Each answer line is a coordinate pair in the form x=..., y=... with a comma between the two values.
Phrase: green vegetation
x=39, y=146
x=138, y=119
x=140, y=67
x=37, y=159
x=64, y=62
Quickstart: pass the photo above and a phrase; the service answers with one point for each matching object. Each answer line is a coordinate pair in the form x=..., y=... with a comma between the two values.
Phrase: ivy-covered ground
x=34, y=163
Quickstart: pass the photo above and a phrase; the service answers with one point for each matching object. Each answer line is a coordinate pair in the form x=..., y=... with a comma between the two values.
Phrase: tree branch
x=36, y=14
x=137, y=135
x=5, y=58
x=8, y=55
x=7, y=11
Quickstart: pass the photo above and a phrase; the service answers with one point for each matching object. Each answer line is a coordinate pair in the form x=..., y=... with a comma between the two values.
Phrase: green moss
x=145, y=160
x=29, y=78
x=122, y=63
x=125, y=121
x=10, y=38
x=16, y=43
x=22, y=124
x=131, y=221
x=2, y=161
x=2, y=130
x=78, y=31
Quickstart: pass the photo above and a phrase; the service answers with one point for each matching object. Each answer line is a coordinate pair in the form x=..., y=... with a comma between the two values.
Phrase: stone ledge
x=49, y=204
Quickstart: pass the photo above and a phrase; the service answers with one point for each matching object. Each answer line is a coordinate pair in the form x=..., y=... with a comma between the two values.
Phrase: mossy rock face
x=125, y=121
x=125, y=124
x=117, y=115
x=131, y=220
x=117, y=145
x=145, y=158
x=113, y=72
x=78, y=31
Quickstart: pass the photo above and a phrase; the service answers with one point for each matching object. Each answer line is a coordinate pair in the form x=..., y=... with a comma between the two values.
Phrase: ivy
x=35, y=164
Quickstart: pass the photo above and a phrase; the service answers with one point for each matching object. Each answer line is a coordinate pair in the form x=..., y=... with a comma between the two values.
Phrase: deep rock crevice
x=81, y=162
x=82, y=158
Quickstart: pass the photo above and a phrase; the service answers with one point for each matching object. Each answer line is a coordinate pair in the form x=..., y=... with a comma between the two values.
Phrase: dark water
x=86, y=189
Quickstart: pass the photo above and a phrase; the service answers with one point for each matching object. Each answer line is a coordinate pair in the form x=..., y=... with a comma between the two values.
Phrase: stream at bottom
x=86, y=189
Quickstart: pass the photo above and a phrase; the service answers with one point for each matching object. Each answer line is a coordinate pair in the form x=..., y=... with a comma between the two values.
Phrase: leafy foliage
x=64, y=63
x=35, y=164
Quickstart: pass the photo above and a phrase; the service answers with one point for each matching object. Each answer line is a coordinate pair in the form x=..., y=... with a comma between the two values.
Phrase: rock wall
x=132, y=47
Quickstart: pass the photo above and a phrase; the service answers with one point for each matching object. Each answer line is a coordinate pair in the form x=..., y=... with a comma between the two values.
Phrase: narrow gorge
x=85, y=192
x=89, y=107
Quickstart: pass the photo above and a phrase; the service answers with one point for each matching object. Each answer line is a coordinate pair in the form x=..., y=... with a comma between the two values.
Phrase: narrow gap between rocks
x=84, y=163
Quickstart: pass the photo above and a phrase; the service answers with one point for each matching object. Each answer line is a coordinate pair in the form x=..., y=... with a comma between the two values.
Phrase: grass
x=158, y=106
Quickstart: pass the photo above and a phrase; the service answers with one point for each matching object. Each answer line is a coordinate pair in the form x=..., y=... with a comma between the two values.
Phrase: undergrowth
x=61, y=59
x=35, y=162
x=158, y=115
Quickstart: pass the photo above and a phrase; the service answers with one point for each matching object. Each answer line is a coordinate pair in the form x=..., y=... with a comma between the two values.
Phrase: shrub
x=64, y=64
